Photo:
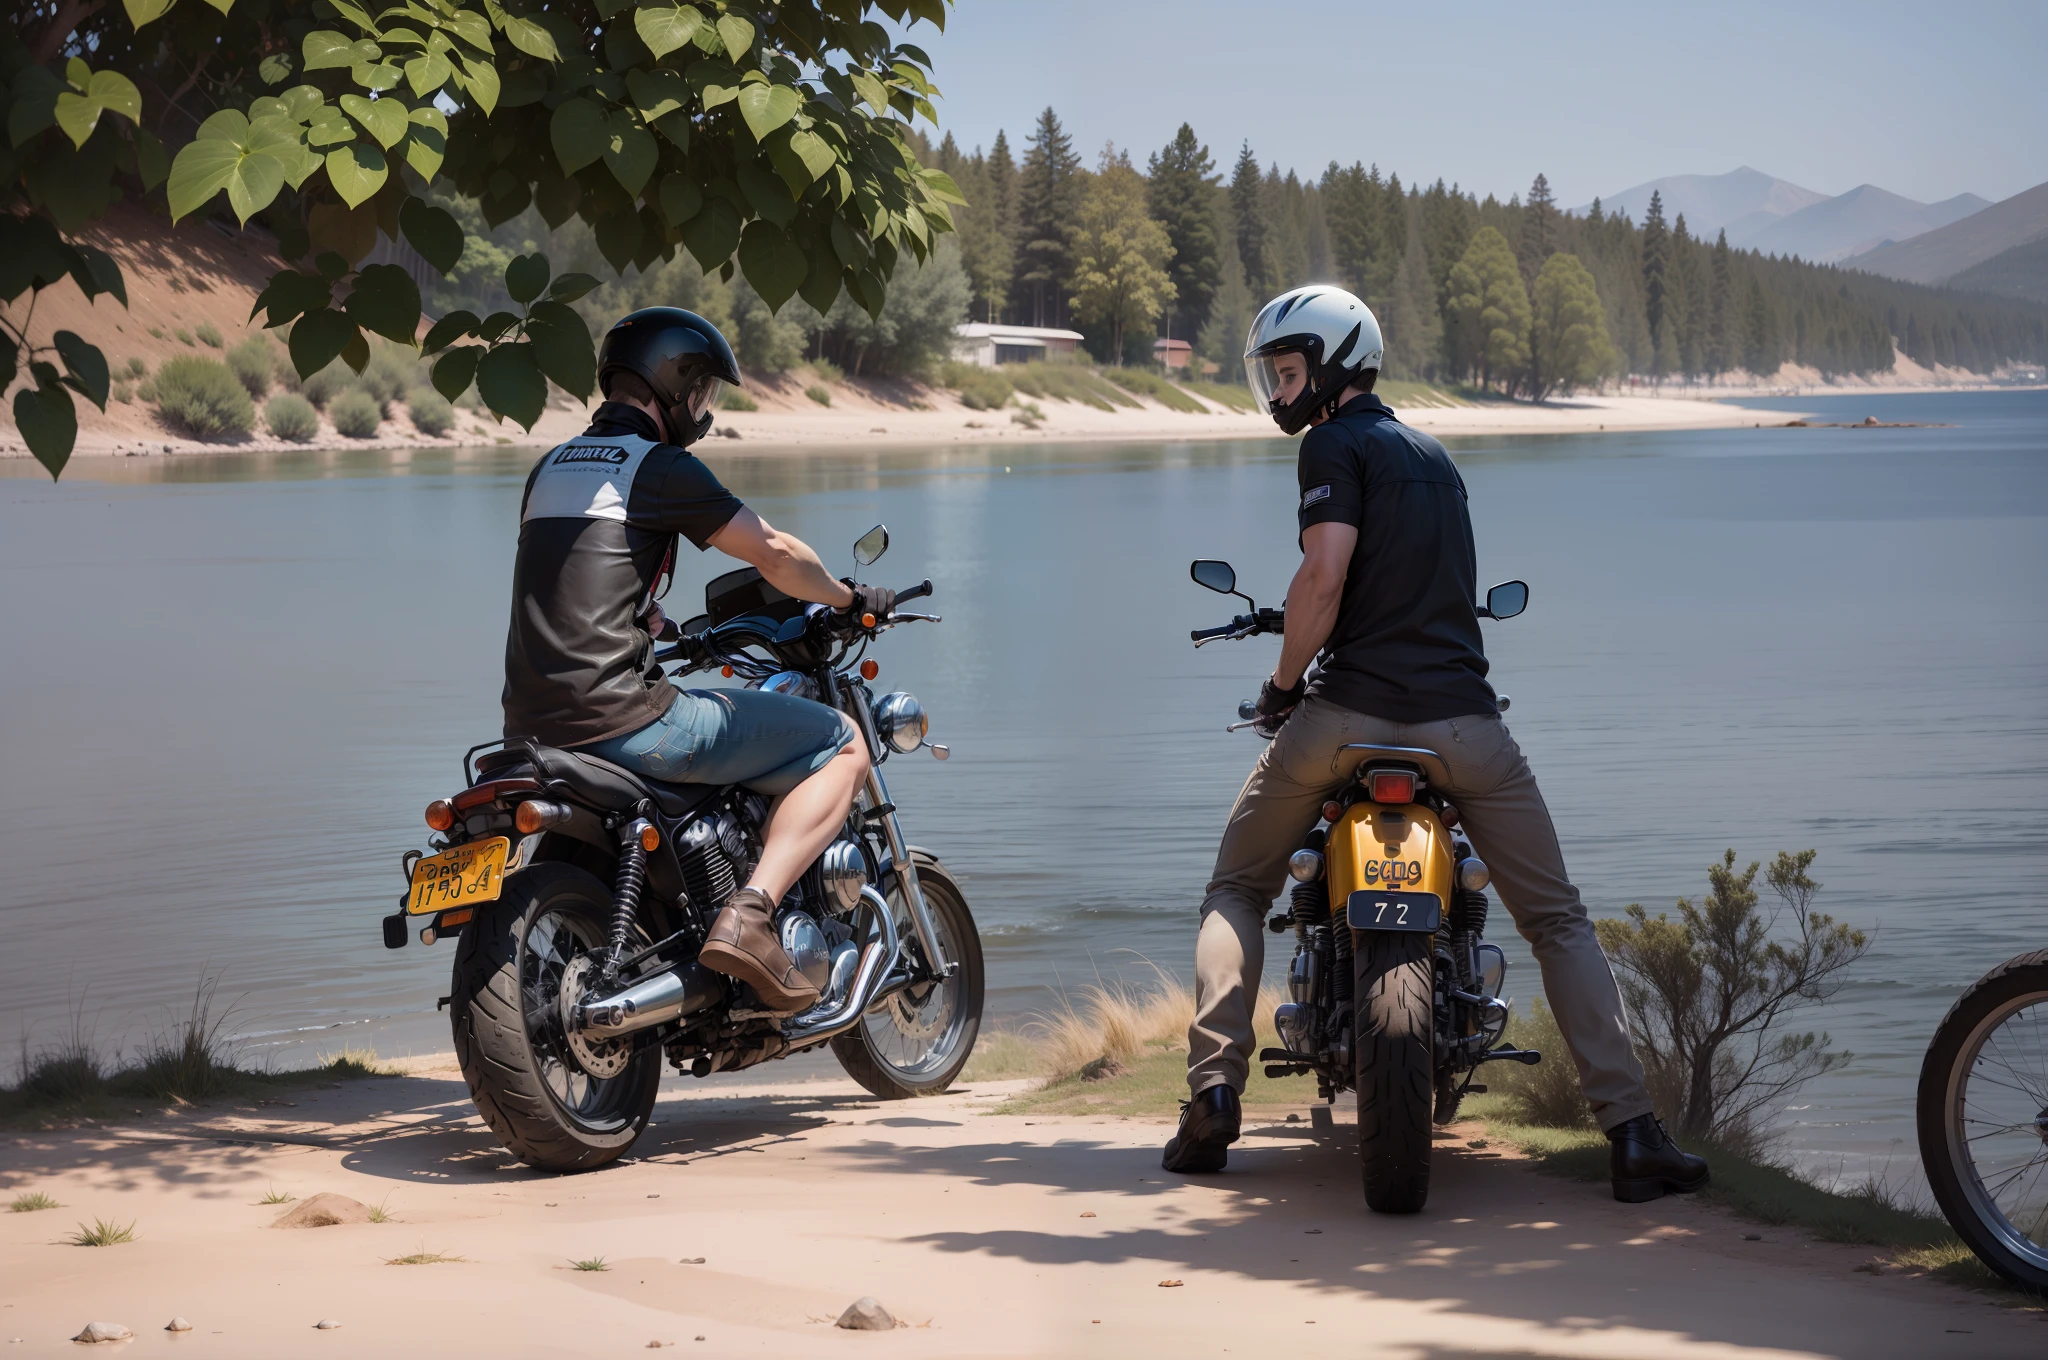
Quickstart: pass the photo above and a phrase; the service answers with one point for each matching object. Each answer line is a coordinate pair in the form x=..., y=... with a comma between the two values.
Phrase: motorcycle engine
x=807, y=948
x=713, y=853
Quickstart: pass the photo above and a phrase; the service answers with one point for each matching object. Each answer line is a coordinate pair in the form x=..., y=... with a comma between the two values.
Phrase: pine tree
x=1656, y=266
x=1721, y=349
x=1539, y=229
x=1231, y=313
x=1000, y=175
x=1120, y=254
x=1248, y=213
x=1412, y=328
x=1181, y=197
x=1048, y=202
x=1489, y=311
x=1568, y=345
x=1759, y=333
x=1286, y=229
x=1687, y=299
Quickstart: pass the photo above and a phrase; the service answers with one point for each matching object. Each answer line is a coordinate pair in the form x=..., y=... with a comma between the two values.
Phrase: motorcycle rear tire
x=495, y=1044
x=1395, y=1052
x=955, y=921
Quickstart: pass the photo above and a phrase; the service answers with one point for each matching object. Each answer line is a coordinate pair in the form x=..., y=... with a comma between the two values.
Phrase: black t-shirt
x=1406, y=644
x=598, y=524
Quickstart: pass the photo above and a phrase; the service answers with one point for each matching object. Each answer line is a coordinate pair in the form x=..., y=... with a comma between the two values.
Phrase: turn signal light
x=869, y=670
x=867, y=620
x=725, y=671
x=538, y=815
x=1332, y=810
x=440, y=814
x=650, y=838
x=1390, y=786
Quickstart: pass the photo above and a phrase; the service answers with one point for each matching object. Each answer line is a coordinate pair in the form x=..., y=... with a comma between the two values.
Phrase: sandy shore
x=987, y=1235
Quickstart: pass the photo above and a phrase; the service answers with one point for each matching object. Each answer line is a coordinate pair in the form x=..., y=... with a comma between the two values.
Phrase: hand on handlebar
x=1275, y=706
x=870, y=602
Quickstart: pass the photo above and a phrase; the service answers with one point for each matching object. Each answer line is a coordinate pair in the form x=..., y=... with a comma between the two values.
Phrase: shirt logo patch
x=1314, y=494
x=611, y=454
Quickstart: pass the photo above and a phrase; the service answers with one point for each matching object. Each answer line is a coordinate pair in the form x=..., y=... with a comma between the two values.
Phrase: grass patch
x=1068, y=382
x=1145, y=383
x=425, y=1258
x=254, y=363
x=819, y=393
x=589, y=1263
x=1028, y=415
x=732, y=399
x=208, y=335
x=1233, y=395
x=380, y=1212
x=101, y=1233
x=979, y=389
x=277, y=1196
x=32, y=1202
x=1399, y=392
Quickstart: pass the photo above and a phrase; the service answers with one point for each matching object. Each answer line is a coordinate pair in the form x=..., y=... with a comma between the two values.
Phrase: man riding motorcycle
x=597, y=533
x=1383, y=601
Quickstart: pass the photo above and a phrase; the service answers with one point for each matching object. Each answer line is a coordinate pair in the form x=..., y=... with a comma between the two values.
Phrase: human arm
x=784, y=560
x=1313, y=596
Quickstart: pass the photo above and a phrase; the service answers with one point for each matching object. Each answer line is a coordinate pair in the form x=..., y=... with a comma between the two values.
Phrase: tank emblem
x=1393, y=871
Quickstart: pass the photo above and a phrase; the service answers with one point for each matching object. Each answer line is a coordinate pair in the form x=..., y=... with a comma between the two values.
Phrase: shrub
x=388, y=377
x=123, y=390
x=286, y=374
x=158, y=332
x=980, y=389
x=431, y=414
x=184, y=336
x=1146, y=383
x=254, y=362
x=203, y=396
x=327, y=384
x=732, y=399
x=828, y=371
x=1068, y=382
x=1548, y=1093
x=136, y=368
x=208, y=335
x=355, y=413
x=290, y=416
x=819, y=394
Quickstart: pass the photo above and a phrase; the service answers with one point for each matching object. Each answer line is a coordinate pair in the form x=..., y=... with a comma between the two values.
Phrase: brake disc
x=597, y=1057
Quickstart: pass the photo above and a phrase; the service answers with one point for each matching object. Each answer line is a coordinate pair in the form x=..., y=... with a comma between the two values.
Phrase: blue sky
x=1924, y=100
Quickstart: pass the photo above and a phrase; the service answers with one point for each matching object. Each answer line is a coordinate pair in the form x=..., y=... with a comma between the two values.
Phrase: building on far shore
x=977, y=342
x=1172, y=354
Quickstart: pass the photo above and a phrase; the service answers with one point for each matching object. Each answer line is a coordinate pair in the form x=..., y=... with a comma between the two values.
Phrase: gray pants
x=1503, y=814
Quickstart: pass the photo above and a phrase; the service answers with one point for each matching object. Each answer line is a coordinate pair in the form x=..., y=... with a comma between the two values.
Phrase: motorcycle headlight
x=902, y=721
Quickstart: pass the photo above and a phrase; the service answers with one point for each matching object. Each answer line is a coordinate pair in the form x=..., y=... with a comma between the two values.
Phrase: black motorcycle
x=580, y=893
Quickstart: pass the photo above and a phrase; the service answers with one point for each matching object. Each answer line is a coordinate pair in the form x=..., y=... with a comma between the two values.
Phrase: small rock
x=177, y=1324
x=654, y=1197
x=1169, y=1284
x=1752, y=1237
x=1293, y=1118
x=1870, y=420
x=1312, y=1231
x=97, y=1332
x=866, y=1315
x=1103, y=1069
x=323, y=1211
x=653, y=1345
x=326, y=1324
x=693, y=1260
x=1088, y=1214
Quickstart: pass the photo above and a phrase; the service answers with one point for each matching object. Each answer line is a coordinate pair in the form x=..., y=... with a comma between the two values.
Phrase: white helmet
x=1333, y=329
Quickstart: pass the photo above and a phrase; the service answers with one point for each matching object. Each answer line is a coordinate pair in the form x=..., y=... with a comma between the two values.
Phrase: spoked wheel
x=1396, y=1056
x=1983, y=1116
x=915, y=1042
x=560, y=1101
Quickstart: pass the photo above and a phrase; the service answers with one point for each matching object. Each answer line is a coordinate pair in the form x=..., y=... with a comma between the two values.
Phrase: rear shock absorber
x=635, y=840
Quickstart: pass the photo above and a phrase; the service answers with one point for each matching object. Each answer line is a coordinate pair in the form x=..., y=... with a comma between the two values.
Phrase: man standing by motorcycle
x=598, y=531
x=1384, y=601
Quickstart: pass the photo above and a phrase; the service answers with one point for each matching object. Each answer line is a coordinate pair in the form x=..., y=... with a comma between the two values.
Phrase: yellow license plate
x=463, y=877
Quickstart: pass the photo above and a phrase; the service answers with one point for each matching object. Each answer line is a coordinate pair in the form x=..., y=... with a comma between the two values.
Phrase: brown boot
x=742, y=944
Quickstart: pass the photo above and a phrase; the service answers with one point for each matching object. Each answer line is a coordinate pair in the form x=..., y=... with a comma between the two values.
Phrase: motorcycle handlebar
x=1204, y=634
x=916, y=592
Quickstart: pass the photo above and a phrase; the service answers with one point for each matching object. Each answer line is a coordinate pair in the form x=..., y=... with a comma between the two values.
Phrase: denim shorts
x=767, y=741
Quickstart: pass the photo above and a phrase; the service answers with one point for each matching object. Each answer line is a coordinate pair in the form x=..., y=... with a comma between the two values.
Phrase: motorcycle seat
x=1352, y=758
x=596, y=782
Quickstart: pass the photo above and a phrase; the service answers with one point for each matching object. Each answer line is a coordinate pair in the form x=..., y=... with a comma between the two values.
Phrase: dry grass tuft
x=31, y=1202
x=379, y=1212
x=102, y=1233
x=589, y=1263
x=423, y=1257
x=277, y=1196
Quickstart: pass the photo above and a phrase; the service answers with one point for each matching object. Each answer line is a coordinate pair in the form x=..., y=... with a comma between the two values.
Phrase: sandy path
x=973, y=1228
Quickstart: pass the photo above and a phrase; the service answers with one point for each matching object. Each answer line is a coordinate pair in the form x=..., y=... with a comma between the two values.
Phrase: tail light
x=1390, y=786
x=440, y=814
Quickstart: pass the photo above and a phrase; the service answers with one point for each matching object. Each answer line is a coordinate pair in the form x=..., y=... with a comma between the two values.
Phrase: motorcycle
x=579, y=893
x=1983, y=1119
x=1395, y=993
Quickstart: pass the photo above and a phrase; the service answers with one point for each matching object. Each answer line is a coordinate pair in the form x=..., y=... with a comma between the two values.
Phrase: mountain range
x=1990, y=250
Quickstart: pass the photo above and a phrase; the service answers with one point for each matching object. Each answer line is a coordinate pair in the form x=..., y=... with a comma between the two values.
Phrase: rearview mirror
x=1507, y=599
x=869, y=547
x=1214, y=575
x=692, y=627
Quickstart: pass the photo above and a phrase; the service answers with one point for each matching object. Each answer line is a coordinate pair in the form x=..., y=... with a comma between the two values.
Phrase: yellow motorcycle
x=1392, y=992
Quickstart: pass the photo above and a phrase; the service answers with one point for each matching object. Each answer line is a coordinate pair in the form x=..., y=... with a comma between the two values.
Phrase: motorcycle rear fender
x=1378, y=847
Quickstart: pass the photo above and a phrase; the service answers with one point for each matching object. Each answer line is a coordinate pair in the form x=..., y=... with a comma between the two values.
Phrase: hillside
x=1948, y=251
x=2021, y=272
x=1741, y=202
x=1866, y=216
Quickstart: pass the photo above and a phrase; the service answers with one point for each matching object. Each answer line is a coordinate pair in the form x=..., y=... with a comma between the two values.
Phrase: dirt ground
x=985, y=1234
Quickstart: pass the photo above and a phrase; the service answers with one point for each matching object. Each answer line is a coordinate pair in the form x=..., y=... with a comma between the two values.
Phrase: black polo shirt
x=596, y=528
x=1406, y=644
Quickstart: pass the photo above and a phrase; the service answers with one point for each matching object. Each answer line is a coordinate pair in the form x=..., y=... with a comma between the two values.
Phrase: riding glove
x=877, y=600
x=1275, y=705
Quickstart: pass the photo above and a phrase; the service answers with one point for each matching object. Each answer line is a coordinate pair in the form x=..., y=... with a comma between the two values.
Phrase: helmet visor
x=1276, y=378
x=703, y=395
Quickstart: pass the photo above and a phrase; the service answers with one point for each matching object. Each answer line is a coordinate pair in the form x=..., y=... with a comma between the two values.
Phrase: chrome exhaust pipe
x=652, y=1000
x=876, y=963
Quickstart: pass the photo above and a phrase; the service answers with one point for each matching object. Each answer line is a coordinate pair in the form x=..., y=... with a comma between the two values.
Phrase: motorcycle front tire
x=1395, y=1053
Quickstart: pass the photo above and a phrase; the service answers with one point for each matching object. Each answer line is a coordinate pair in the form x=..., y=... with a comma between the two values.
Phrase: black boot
x=1208, y=1126
x=1646, y=1164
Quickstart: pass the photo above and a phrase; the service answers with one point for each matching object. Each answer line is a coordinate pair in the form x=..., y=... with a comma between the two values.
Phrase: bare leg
x=805, y=820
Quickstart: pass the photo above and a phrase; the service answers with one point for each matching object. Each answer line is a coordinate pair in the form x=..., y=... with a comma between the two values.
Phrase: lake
x=232, y=682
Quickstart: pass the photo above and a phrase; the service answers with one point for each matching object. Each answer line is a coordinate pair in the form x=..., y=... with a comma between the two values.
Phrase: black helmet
x=679, y=356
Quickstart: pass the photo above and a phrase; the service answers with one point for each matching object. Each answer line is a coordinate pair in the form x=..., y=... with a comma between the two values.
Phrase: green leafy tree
x=1412, y=326
x=1120, y=255
x=1489, y=312
x=914, y=332
x=773, y=140
x=1248, y=218
x=1181, y=196
x=987, y=225
x=1050, y=186
x=1568, y=345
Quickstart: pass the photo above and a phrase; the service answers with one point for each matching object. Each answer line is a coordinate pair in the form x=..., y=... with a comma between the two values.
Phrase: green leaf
x=737, y=35
x=535, y=41
x=77, y=115
x=275, y=68
x=942, y=186
x=680, y=197
x=872, y=90
x=455, y=369
x=630, y=152
x=448, y=330
x=319, y=338
x=98, y=274
x=526, y=276
x=434, y=233
x=618, y=238
x=152, y=164
x=429, y=73
x=329, y=126
x=656, y=93
x=116, y=93
x=384, y=119
x=35, y=104
x=471, y=27
x=814, y=151
x=356, y=353
x=767, y=107
x=302, y=101
x=664, y=28
x=386, y=301
x=356, y=171
x=562, y=347
x=494, y=327
x=846, y=245
x=48, y=425
x=141, y=12
x=85, y=363
x=511, y=384
x=774, y=264
x=289, y=294
x=427, y=144
x=569, y=287
x=557, y=196
x=712, y=233
x=766, y=193
x=580, y=134
x=324, y=49
x=249, y=160
x=376, y=76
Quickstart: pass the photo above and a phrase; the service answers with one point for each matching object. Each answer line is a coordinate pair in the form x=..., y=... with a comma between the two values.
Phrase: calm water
x=230, y=684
